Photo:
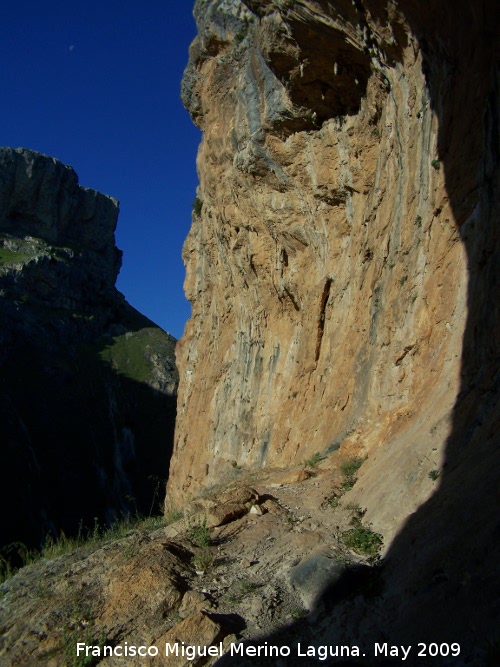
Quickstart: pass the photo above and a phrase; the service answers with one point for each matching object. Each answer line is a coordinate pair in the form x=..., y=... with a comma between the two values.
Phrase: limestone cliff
x=342, y=267
x=344, y=201
x=87, y=384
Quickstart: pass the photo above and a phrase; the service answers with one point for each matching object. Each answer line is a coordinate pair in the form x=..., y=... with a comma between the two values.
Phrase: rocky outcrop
x=328, y=263
x=155, y=588
x=342, y=267
x=87, y=384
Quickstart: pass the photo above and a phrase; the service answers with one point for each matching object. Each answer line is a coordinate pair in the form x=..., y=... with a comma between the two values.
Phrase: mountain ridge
x=88, y=384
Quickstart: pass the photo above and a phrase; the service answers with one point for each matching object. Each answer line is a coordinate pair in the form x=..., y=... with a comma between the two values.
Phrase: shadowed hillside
x=87, y=384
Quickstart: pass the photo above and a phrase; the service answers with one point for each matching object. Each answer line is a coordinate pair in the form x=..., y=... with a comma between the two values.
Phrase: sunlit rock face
x=345, y=170
x=87, y=384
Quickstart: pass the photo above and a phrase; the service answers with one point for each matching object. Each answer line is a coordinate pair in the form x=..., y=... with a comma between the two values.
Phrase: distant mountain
x=87, y=384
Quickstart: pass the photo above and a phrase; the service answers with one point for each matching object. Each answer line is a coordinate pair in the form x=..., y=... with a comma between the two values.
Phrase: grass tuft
x=198, y=532
x=86, y=538
x=349, y=468
x=203, y=560
x=314, y=460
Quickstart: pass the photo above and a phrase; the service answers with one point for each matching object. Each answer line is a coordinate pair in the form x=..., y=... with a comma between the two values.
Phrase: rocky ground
x=279, y=542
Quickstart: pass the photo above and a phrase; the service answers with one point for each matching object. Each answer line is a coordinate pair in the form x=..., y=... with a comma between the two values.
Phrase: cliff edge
x=87, y=383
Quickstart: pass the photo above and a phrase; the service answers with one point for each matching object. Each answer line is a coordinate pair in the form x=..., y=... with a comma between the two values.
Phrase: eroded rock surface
x=342, y=267
x=325, y=266
x=147, y=588
x=329, y=261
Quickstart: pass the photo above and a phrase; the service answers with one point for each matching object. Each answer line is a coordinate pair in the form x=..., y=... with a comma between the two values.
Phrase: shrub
x=203, y=560
x=314, y=460
x=436, y=164
x=358, y=512
x=173, y=515
x=6, y=569
x=434, y=474
x=197, y=206
x=299, y=612
x=349, y=468
x=363, y=540
x=333, y=501
x=198, y=532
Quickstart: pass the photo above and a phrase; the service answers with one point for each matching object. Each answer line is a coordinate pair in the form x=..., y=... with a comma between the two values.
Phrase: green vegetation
x=6, y=570
x=98, y=535
x=357, y=510
x=248, y=586
x=12, y=256
x=197, y=206
x=363, y=540
x=243, y=32
x=349, y=468
x=203, y=560
x=333, y=501
x=434, y=474
x=14, y=249
x=88, y=538
x=128, y=353
x=314, y=460
x=81, y=627
x=241, y=590
x=436, y=164
x=418, y=221
x=198, y=532
x=173, y=515
x=16, y=552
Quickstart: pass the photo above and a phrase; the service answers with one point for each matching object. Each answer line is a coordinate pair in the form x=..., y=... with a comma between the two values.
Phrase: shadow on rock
x=438, y=582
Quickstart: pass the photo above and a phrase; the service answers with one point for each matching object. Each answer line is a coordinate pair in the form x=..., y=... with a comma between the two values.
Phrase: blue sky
x=96, y=85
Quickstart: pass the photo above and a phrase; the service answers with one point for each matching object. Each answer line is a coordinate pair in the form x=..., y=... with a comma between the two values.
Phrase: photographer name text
x=192, y=652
